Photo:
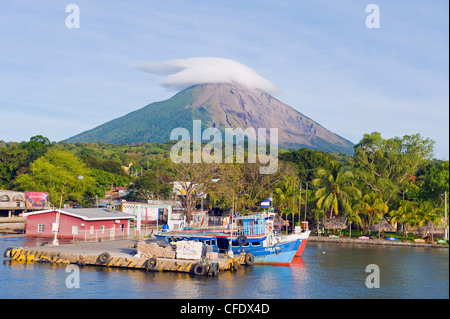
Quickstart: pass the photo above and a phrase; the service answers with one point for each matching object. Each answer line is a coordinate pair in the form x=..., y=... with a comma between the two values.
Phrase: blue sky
x=326, y=63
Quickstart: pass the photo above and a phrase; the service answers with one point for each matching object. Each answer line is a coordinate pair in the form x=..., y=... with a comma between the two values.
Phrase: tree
x=429, y=213
x=153, y=184
x=36, y=147
x=286, y=195
x=12, y=158
x=307, y=161
x=433, y=180
x=335, y=189
x=249, y=186
x=386, y=165
x=407, y=215
x=226, y=193
x=15, y=158
x=42, y=140
x=260, y=186
x=373, y=207
x=318, y=214
x=193, y=180
x=353, y=217
x=56, y=173
x=242, y=187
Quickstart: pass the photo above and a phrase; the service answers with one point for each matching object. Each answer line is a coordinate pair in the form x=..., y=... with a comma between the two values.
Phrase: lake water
x=325, y=271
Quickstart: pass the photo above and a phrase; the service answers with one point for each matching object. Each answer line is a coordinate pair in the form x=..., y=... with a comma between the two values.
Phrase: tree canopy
x=394, y=178
x=60, y=173
x=387, y=165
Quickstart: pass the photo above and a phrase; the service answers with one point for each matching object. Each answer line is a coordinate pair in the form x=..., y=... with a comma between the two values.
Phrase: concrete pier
x=121, y=253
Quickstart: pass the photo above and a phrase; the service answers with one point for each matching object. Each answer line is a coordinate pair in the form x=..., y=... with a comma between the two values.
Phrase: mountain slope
x=217, y=105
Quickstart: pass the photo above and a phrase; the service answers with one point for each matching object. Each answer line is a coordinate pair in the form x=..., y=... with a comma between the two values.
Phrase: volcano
x=220, y=105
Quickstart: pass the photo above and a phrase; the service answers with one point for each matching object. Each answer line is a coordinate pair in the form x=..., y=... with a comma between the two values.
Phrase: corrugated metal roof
x=89, y=213
x=98, y=213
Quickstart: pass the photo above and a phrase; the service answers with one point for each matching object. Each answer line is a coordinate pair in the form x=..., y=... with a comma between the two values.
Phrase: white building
x=11, y=203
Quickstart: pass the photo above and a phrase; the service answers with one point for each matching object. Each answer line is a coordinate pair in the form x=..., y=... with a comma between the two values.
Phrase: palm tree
x=373, y=207
x=429, y=213
x=318, y=213
x=283, y=194
x=407, y=215
x=352, y=216
x=335, y=189
x=285, y=197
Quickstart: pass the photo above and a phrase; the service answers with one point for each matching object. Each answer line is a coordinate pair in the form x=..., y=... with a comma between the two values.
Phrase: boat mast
x=300, y=203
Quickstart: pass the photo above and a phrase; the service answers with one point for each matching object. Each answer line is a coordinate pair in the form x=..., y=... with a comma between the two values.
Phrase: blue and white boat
x=248, y=234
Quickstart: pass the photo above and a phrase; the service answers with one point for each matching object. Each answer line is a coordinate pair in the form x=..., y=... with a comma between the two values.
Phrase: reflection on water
x=324, y=271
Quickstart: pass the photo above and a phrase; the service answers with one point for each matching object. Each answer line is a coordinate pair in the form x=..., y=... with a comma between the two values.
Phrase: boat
x=253, y=234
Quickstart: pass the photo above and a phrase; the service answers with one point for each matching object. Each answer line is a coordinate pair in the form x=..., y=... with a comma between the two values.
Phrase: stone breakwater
x=344, y=240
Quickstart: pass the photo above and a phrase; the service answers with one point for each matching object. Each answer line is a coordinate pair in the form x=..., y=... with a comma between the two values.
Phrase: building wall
x=12, y=203
x=66, y=223
x=11, y=199
x=148, y=213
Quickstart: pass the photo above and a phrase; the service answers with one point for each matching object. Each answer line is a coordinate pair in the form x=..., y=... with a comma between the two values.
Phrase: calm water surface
x=324, y=271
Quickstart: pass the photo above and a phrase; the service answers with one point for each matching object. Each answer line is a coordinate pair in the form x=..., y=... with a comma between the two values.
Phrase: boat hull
x=280, y=255
x=300, y=249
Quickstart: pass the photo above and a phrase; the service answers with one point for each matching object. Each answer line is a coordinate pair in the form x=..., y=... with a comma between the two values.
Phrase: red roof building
x=78, y=223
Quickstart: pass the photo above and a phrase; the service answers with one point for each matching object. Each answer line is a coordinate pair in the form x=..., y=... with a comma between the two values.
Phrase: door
x=112, y=232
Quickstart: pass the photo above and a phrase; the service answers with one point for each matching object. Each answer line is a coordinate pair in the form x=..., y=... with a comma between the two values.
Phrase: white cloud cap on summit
x=182, y=73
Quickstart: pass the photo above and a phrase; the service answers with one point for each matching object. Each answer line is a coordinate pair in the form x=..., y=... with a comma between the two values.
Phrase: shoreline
x=383, y=242
x=341, y=240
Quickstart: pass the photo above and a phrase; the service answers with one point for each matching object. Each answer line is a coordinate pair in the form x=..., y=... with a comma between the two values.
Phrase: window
x=41, y=228
x=92, y=230
x=18, y=198
x=74, y=230
x=210, y=242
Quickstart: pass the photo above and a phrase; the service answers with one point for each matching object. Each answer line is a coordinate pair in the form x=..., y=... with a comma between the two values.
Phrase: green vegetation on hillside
x=155, y=122
x=394, y=179
x=152, y=123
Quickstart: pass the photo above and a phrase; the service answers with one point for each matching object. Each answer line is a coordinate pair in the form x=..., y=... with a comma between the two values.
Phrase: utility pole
x=293, y=221
x=306, y=199
x=445, y=210
x=300, y=203
x=33, y=176
x=110, y=199
x=55, y=226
